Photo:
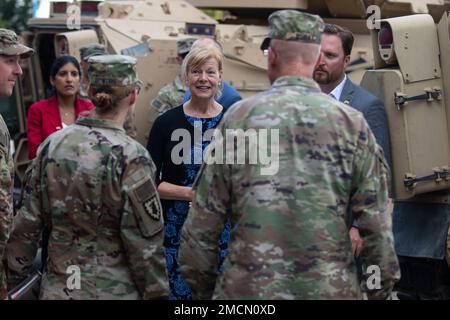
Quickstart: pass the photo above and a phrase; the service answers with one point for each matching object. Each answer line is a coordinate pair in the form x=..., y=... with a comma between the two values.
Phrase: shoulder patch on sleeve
x=151, y=206
x=147, y=207
x=144, y=190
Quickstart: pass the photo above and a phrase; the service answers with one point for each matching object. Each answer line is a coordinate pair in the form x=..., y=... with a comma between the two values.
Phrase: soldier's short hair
x=344, y=34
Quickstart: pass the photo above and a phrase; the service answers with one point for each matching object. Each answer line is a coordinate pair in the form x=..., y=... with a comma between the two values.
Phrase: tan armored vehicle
x=412, y=77
x=148, y=29
x=145, y=29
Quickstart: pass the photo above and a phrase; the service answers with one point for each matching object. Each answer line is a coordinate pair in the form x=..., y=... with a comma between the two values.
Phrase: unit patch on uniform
x=147, y=208
x=152, y=208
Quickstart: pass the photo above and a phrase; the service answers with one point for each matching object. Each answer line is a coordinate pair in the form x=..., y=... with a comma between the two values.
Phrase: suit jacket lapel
x=347, y=93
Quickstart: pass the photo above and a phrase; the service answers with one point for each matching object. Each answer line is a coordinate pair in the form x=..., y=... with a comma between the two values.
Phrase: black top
x=160, y=144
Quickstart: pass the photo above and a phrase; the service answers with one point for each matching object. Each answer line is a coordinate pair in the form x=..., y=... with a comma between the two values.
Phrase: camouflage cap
x=184, y=45
x=292, y=25
x=112, y=70
x=90, y=50
x=10, y=46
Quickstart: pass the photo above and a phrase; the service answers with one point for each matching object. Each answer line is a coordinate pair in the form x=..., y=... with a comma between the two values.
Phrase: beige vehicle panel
x=124, y=24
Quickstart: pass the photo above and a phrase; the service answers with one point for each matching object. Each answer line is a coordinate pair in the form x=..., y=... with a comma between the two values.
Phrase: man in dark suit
x=336, y=46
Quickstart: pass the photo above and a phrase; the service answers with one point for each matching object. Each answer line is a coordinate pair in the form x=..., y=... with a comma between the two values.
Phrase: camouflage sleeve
x=28, y=223
x=130, y=124
x=5, y=198
x=162, y=102
x=369, y=204
x=142, y=229
x=201, y=232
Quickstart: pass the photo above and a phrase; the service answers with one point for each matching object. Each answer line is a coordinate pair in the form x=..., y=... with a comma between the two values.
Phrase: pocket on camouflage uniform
x=147, y=207
x=5, y=174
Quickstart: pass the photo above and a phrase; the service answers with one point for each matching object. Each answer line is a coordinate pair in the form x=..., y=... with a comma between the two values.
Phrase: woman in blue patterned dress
x=177, y=143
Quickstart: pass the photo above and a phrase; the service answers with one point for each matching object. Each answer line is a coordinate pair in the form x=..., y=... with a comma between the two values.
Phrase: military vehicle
x=412, y=76
x=145, y=29
x=148, y=30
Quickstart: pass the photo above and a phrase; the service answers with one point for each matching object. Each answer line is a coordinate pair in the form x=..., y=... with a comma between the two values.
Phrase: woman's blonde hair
x=198, y=56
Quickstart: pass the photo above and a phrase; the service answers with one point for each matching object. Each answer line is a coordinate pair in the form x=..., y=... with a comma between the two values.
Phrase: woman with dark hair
x=62, y=108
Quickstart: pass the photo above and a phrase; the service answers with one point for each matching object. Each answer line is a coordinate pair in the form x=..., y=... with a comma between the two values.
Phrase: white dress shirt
x=336, y=93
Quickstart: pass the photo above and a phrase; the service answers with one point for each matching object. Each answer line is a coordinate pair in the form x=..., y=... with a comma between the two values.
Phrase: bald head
x=289, y=52
x=292, y=58
x=206, y=42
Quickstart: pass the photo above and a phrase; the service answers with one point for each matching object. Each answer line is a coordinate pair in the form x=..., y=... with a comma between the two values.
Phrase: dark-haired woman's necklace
x=66, y=112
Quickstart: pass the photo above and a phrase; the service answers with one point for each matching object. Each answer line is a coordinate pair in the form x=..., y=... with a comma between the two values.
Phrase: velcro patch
x=144, y=191
x=147, y=207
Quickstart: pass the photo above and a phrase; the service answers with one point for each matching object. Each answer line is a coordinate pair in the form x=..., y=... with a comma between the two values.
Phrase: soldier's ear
x=133, y=96
x=272, y=57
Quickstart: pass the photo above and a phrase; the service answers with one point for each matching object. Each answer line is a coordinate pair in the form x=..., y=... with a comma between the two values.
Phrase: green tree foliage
x=15, y=13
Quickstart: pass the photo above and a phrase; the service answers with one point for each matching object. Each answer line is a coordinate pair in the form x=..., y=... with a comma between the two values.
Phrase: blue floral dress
x=176, y=215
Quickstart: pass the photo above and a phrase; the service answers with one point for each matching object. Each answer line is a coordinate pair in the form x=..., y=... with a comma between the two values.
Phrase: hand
x=193, y=195
x=188, y=194
x=357, y=241
x=390, y=206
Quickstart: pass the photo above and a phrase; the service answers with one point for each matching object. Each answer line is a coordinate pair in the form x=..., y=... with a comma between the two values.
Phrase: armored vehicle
x=148, y=30
x=412, y=76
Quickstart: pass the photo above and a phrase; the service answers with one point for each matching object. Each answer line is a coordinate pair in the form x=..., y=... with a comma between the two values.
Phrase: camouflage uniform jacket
x=289, y=238
x=83, y=91
x=93, y=186
x=6, y=206
x=170, y=96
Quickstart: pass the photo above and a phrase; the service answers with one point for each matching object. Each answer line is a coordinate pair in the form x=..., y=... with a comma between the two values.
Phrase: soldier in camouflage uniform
x=289, y=237
x=10, y=53
x=171, y=96
x=92, y=186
